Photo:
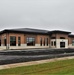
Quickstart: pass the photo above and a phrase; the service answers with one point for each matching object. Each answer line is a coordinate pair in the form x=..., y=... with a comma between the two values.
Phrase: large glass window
x=40, y=41
x=19, y=41
x=30, y=41
x=47, y=41
x=5, y=41
x=54, y=43
x=12, y=41
x=51, y=43
x=72, y=42
x=44, y=41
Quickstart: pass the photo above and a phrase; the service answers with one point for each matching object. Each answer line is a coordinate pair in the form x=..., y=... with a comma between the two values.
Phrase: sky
x=38, y=14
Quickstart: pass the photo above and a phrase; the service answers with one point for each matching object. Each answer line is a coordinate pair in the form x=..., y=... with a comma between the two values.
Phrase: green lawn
x=63, y=67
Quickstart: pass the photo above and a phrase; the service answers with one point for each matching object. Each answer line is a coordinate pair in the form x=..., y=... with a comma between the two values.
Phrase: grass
x=63, y=67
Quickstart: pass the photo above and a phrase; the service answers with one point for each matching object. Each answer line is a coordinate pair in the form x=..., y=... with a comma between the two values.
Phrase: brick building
x=35, y=38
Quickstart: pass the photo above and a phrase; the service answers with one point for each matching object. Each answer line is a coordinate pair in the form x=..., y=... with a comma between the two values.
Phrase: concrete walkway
x=33, y=62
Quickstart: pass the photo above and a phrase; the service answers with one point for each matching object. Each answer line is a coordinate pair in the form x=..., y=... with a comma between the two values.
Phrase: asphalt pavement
x=17, y=56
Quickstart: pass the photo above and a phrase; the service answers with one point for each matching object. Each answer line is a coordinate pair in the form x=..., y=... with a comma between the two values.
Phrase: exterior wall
x=42, y=36
x=67, y=40
x=62, y=35
x=25, y=46
x=61, y=40
x=52, y=40
x=2, y=41
x=58, y=35
x=58, y=40
x=58, y=43
x=70, y=42
x=23, y=41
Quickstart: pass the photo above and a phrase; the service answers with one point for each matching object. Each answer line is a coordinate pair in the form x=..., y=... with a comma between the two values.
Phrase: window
x=12, y=41
x=40, y=41
x=62, y=37
x=72, y=42
x=0, y=42
x=19, y=41
x=30, y=41
x=47, y=41
x=53, y=37
x=44, y=41
x=52, y=43
x=5, y=41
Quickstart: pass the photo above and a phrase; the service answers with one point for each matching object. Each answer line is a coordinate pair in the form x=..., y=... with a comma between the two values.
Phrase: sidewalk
x=33, y=62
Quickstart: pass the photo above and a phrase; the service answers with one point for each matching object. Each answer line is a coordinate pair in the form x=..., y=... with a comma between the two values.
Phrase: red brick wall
x=70, y=40
x=23, y=37
x=58, y=35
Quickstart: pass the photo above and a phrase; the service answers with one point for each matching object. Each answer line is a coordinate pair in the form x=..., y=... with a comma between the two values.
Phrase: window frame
x=44, y=43
x=30, y=41
x=51, y=43
x=47, y=41
x=54, y=43
x=5, y=42
x=19, y=41
x=12, y=41
x=40, y=41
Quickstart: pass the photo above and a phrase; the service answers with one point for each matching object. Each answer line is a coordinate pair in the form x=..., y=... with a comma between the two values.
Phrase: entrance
x=62, y=44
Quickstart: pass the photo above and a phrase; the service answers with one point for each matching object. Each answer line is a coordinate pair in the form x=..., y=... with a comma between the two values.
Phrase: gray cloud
x=45, y=14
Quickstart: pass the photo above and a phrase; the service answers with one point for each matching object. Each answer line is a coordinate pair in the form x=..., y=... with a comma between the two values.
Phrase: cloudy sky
x=41, y=14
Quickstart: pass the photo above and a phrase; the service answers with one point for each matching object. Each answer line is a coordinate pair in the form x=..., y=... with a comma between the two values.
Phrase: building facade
x=34, y=38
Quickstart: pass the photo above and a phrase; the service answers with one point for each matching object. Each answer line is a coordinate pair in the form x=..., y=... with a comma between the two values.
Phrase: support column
x=16, y=40
x=8, y=41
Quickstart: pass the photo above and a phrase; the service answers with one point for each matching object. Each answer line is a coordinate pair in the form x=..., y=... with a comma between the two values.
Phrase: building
x=35, y=38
